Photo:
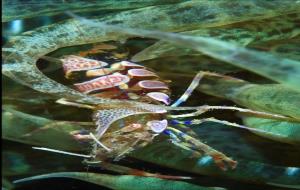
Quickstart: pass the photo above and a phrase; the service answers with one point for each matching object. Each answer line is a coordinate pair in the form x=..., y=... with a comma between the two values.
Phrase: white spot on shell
x=159, y=96
x=157, y=126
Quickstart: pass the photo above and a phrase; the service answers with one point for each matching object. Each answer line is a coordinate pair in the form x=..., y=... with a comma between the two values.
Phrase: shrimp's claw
x=196, y=147
x=223, y=162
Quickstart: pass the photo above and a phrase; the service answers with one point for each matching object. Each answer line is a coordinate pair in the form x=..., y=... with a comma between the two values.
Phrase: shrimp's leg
x=113, y=167
x=221, y=160
x=188, y=147
x=183, y=126
x=189, y=90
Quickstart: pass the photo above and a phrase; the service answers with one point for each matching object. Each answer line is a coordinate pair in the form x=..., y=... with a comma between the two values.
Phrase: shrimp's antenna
x=62, y=152
x=199, y=121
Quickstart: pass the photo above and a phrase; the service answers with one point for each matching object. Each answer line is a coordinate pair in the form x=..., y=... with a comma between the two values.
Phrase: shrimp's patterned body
x=130, y=81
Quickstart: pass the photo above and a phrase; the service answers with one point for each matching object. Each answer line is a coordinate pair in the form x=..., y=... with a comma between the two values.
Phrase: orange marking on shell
x=103, y=82
x=75, y=63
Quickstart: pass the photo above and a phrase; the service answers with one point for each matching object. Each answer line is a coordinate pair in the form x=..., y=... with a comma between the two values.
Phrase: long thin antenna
x=62, y=152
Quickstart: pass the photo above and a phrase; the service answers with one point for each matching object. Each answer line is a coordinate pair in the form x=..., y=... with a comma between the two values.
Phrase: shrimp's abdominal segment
x=121, y=80
x=74, y=64
x=102, y=83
